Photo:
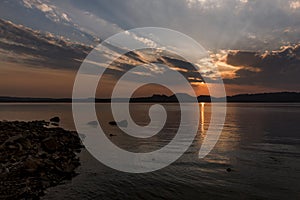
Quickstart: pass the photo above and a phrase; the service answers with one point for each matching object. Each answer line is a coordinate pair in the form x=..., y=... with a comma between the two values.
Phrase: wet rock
x=122, y=123
x=274, y=159
x=55, y=119
x=34, y=157
x=54, y=124
x=50, y=144
x=67, y=168
x=112, y=123
x=12, y=147
x=31, y=164
x=93, y=123
x=12, y=139
x=25, y=143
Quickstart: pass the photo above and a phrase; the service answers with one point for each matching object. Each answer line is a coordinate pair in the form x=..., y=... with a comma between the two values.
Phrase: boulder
x=93, y=123
x=31, y=164
x=122, y=123
x=55, y=119
x=26, y=144
x=37, y=155
x=112, y=123
x=50, y=144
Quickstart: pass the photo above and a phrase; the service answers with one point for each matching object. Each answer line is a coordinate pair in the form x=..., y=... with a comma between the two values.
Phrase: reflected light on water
x=202, y=117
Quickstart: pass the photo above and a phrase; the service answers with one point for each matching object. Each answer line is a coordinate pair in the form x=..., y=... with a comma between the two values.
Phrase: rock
x=26, y=144
x=20, y=147
x=13, y=147
x=54, y=124
x=55, y=119
x=67, y=168
x=34, y=157
x=12, y=139
x=111, y=135
x=50, y=144
x=229, y=169
x=113, y=123
x=122, y=123
x=274, y=159
x=4, y=170
x=93, y=123
x=31, y=164
x=82, y=136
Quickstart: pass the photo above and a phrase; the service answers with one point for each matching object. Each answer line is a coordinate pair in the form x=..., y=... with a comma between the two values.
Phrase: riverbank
x=35, y=157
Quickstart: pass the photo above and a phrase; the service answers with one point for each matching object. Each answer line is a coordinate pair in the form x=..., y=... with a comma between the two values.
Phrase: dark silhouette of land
x=280, y=97
x=266, y=97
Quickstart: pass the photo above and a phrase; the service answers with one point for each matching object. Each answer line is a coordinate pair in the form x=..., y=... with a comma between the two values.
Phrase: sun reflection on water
x=202, y=117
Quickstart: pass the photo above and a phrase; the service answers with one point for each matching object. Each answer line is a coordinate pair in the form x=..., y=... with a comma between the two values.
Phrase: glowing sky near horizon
x=267, y=28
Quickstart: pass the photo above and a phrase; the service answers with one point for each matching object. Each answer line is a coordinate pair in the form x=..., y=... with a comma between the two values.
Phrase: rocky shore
x=34, y=157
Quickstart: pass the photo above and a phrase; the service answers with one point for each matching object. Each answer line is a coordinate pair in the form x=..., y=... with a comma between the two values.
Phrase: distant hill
x=266, y=97
x=32, y=100
x=283, y=97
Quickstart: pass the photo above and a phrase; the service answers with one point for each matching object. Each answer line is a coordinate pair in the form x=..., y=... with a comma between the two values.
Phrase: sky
x=254, y=43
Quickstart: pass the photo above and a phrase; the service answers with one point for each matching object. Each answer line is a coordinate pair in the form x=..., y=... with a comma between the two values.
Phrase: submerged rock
x=55, y=119
x=31, y=164
x=50, y=144
x=93, y=123
x=112, y=123
x=122, y=123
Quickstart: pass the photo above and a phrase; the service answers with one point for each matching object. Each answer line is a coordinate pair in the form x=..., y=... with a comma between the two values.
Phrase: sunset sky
x=254, y=43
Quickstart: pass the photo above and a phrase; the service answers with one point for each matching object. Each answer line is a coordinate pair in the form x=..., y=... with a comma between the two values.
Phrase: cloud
x=49, y=51
x=272, y=69
x=49, y=10
x=278, y=69
x=65, y=17
x=295, y=4
x=216, y=24
x=44, y=7
x=20, y=44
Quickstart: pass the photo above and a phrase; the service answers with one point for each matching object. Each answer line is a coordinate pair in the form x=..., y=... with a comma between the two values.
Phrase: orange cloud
x=229, y=71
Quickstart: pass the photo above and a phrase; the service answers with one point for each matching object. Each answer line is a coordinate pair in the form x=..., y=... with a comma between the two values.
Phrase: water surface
x=259, y=142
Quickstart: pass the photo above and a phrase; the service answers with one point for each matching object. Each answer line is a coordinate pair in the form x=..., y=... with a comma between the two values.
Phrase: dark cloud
x=23, y=45
x=42, y=15
x=275, y=69
x=216, y=24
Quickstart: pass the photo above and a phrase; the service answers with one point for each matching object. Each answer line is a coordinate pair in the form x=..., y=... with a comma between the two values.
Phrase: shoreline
x=35, y=157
